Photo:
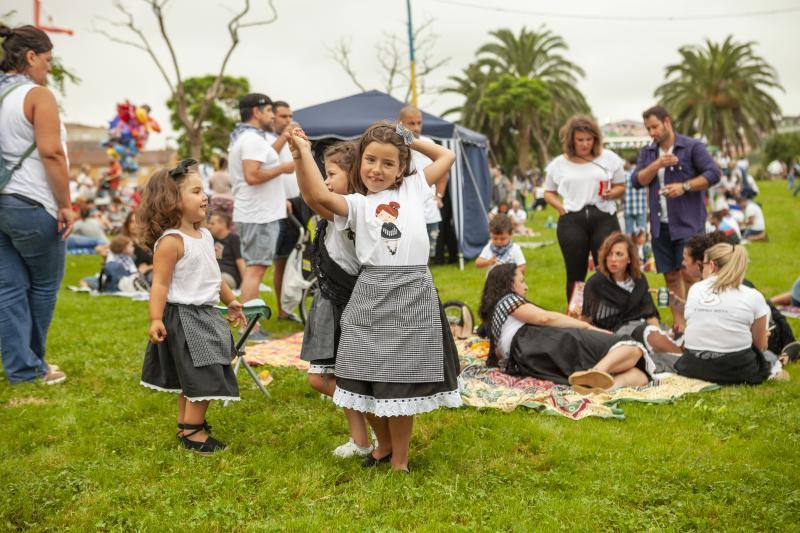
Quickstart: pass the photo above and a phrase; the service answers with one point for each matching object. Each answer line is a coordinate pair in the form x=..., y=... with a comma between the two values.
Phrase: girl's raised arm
x=442, y=159
x=312, y=187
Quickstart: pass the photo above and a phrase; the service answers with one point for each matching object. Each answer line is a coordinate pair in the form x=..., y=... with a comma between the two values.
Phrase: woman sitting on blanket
x=527, y=340
x=618, y=298
x=726, y=323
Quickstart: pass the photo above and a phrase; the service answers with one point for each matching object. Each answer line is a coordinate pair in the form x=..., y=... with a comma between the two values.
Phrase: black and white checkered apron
x=396, y=354
x=195, y=358
x=391, y=331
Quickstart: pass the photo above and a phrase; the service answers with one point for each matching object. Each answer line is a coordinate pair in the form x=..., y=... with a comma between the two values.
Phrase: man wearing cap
x=677, y=170
x=259, y=197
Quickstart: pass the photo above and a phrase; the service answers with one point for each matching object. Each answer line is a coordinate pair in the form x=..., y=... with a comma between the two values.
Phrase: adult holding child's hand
x=35, y=206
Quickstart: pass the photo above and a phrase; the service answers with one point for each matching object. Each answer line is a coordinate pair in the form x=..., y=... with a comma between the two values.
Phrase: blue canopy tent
x=470, y=186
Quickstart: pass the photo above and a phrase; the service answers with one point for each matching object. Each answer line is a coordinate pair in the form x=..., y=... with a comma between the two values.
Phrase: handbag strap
x=32, y=147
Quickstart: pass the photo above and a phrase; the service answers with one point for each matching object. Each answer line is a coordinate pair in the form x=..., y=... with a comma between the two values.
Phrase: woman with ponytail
x=35, y=207
x=726, y=323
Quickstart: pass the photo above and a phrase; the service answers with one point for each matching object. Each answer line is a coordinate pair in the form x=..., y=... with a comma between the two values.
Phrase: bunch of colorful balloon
x=127, y=135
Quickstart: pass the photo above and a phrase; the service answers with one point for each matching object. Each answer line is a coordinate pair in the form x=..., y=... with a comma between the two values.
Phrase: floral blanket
x=489, y=388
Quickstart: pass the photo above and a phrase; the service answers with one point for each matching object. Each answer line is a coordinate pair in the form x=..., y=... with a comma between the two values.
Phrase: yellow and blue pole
x=411, y=56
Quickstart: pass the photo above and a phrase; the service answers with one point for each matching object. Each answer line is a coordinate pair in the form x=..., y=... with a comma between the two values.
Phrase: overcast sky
x=623, y=55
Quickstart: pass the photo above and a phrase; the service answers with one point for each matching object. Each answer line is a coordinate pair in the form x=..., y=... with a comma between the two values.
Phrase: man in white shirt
x=281, y=129
x=755, y=227
x=411, y=118
x=259, y=198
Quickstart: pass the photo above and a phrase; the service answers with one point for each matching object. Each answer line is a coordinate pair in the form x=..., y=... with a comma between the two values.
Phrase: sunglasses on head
x=182, y=168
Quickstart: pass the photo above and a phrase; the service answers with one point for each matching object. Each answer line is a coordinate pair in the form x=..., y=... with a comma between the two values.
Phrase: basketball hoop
x=36, y=20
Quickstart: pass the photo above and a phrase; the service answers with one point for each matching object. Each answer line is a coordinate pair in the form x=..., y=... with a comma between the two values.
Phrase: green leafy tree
x=782, y=146
x=518, y=103
x=220, y=116
x=527, y=56
x=720, y=91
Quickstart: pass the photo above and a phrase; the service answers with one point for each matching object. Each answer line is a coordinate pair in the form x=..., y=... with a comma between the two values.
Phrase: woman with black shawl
x=618, y=298
x=527, y=340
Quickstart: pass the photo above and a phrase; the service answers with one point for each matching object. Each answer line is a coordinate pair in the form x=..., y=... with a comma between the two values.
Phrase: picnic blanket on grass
x=489, y=388
x=790, y=311
x=277, y=352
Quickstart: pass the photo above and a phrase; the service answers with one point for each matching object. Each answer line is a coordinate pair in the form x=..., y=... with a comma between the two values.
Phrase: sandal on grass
x=181, y=427
x=591, y=379
x=207, y=447
x=371, y=460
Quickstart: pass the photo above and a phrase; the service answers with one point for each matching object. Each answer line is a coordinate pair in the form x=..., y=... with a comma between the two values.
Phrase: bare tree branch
x=193, y=127
x=340, y=52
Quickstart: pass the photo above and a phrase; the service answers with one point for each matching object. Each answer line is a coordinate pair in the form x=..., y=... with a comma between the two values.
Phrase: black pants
x=579, y=233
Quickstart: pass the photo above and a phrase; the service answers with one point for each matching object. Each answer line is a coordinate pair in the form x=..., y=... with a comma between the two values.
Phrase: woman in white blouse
x=726, y=323
x=582, y=184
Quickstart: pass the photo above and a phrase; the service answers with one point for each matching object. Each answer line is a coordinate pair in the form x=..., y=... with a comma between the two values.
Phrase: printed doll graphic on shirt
x=390, y=233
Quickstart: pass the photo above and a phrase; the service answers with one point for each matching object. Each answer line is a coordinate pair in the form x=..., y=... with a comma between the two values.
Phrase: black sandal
x=181, y=427
x=371, y=460
x=207, y=447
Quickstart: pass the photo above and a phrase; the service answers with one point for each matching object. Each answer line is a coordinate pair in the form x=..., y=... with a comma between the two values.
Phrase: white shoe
x=351, y=449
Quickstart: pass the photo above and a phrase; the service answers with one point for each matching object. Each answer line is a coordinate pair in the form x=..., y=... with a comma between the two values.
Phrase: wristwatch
x=687, y=187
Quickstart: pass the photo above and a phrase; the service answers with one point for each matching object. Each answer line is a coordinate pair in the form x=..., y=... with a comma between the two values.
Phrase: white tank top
x=16, y=135
x=196, y=278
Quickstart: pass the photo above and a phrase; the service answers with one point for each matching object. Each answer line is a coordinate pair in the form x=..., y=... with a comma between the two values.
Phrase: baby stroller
x=299, y=283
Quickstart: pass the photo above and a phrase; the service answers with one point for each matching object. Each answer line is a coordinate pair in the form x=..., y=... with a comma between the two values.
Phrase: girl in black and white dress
x=396, y=356
x=527, y=340
x=191, y=346
x=336, y=266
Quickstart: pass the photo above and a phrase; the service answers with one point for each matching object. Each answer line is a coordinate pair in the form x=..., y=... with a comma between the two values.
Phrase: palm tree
x=720, y=91
x=534, y=55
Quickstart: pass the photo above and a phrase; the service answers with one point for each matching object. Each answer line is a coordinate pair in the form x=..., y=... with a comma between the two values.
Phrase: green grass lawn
x=99, y=451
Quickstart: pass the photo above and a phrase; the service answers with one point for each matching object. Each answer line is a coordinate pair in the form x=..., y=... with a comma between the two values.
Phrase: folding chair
x=254, y=310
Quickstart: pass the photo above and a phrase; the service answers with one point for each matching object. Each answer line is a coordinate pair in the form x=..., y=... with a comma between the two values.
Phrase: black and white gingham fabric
x=507, y=305
x=391, y=328
x=207, y=334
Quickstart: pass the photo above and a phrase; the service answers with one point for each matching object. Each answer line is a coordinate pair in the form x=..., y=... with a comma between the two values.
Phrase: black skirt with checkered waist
x=195, y=358
x=396, y=354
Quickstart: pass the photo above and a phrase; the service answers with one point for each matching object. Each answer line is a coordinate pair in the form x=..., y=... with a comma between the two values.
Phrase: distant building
x=625, y=134
x=85, y=147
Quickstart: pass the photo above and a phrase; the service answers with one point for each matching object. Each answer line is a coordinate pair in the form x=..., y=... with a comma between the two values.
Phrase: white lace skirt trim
x=320, y=369
x=201, y=399
x=649, y=364
x=156, y=387
x=209, y=398
x=397, y=406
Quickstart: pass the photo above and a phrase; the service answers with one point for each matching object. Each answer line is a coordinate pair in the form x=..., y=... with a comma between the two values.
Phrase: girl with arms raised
x=396, y=356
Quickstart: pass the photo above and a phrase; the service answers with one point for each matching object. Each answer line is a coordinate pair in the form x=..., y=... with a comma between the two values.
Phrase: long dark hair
x=499, y=282
x=16, y=44
x=634, y=268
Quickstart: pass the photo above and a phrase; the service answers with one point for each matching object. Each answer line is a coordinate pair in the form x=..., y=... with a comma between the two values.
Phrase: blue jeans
x=433, y=236
x=635, y=222
x=31, y=267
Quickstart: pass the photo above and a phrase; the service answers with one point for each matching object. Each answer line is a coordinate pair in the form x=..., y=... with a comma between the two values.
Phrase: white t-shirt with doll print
x=383, y=239
x=514, y=255
x=256, y=204
x=578, y=184
x=420, y=161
